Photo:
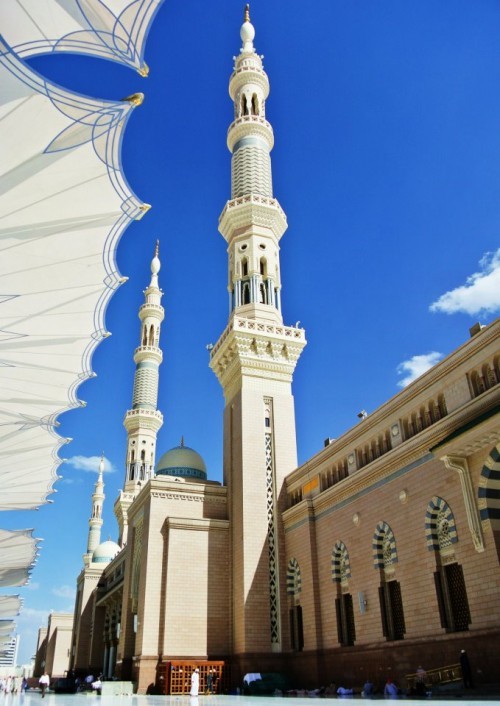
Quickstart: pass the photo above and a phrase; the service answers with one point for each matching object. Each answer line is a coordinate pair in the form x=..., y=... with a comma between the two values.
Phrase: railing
x=433, y=677
x=259, y=327
x=253, y=199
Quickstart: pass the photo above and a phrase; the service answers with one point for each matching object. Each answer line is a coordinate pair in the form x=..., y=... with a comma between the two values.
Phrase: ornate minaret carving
x=143, y=421
x=95, y=521
x=254, y=361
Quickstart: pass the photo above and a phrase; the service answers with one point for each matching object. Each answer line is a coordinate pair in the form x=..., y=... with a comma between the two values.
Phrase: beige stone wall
x=245, y=473
x=183, y=586
x=442, y=460
x=60, y=627
x=83, y=618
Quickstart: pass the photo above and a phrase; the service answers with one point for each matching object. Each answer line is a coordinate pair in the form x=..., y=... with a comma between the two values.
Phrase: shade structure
x=18, y=551
x=6, y=627
x=64, y=205
x=110, y=29
x=9, y=606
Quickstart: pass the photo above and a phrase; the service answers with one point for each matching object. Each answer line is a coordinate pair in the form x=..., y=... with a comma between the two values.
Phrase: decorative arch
x=489, y=489
x=293, y=579
x=384, y=546
x=440, y=527
x=341, y=567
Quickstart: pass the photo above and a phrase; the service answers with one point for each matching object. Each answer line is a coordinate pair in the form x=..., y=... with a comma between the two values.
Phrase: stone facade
x=53, y=646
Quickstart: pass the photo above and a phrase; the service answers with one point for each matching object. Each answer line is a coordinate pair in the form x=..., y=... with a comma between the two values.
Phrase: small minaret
x=254, y=360
x=143, y=421
x=95, y=521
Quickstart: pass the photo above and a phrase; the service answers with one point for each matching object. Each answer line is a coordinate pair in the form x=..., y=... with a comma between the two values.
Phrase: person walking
x=44, y=682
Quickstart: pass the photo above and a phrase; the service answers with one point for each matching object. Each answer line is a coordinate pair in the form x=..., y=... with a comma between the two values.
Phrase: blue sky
x=387, y=162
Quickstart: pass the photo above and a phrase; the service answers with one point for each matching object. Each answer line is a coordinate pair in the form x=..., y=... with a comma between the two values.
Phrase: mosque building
x=382, y=551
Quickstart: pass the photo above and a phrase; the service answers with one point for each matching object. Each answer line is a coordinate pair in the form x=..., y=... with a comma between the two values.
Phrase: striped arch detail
x=341, y=567
x=293, y=580
x=384, y=546
x=440, y=527
x=489, y=489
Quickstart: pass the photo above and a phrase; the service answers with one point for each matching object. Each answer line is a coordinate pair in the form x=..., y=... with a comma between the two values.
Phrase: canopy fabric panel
x=6, y=627
x=18, y=551
x=9, y=606
x=110, y=29
x=65, y=203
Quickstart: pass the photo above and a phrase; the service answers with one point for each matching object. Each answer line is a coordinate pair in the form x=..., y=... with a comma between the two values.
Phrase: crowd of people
x=13, y=685
x=419, y=688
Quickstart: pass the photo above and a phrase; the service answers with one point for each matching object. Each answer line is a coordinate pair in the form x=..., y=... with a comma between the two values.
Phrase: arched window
x=263, y=266
x=294, y=588
x=262, y=293
x=344, y=610
x=341, y=569
x=385, y=558
x=489, y=492
x=144, y=336
x=451, y=592
x=244, y=267
x=246, y=293
x=151, y=336
x=255, y=104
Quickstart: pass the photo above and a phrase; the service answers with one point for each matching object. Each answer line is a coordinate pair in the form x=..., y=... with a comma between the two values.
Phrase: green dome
x=182, y=462
x=105, y=552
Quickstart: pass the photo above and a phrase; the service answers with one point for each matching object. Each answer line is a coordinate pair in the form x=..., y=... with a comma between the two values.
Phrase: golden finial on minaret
x=247, y=13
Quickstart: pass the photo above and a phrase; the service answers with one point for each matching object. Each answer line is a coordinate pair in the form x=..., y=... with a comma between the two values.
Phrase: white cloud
x=64, y=591
x=480, y=293
x=32, y=586
x=90, y=463
x=416, y=366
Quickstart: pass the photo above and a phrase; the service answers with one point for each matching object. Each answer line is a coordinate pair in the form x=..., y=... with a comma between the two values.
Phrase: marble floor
x=35, y=699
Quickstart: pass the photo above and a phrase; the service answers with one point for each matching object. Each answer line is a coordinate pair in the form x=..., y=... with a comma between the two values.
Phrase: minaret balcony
x=148, y=353
x=257, y=349
x=154, y=310
x=248, y=75
x=252, y=210
x=249, y=125
x=142, y=419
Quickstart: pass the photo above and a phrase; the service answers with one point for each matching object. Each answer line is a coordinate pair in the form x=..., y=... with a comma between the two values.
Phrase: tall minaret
x=95, y=521
x=254, y=361
x=143, y=421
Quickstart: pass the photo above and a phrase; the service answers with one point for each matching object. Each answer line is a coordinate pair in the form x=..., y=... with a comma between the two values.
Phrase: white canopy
x=6, y=627
x=64, y=206
x=9, y=606
x=18, y=550
x=111, y=29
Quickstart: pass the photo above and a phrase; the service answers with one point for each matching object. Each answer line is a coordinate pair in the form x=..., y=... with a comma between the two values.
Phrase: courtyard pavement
x=35, y=699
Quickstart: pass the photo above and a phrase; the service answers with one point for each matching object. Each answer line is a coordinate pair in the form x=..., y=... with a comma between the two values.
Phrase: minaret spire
x=95, y=521
x=254, y=270
x=143, y=421
x=254, y=360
